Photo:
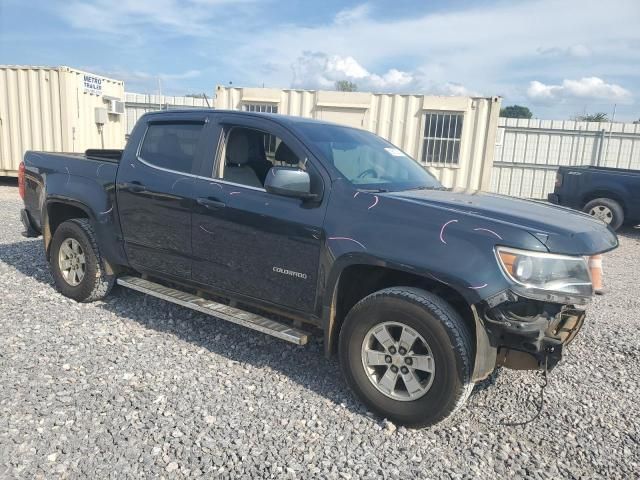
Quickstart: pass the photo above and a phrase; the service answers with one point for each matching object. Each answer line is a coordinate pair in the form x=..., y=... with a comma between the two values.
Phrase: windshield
x=366, y=160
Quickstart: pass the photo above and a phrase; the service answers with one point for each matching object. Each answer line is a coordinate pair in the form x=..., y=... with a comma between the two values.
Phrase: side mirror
x=289, y=182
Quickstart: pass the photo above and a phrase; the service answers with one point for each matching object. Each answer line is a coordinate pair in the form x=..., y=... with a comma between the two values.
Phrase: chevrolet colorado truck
x=610, y=194
x=288, y=225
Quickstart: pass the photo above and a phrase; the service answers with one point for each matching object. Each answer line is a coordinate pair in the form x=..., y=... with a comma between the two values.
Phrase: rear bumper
x=532, y=342
x=29, y=229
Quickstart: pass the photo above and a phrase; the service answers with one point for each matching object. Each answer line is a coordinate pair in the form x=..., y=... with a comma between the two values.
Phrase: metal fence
x=528, y=152
x=137, y=104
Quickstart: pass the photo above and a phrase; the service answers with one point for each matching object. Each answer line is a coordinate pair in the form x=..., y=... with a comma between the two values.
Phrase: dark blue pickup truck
x=610, y=194
x=285, y=225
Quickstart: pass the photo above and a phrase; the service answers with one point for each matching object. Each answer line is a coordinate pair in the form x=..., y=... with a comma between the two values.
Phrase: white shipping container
x=453, y=137
x=54, y=109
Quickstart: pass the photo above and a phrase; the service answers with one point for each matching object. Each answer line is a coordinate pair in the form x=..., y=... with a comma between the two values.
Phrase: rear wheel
x=408, y=355
x=607, y=210
x=76, y=263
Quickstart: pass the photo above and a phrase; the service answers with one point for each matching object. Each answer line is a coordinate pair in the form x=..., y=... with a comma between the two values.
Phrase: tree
x=592, y=117
x=346, y=86
x=515, y=111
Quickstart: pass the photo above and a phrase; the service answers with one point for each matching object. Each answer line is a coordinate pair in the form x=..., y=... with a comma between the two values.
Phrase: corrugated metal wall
x=137, y=104
x=528, y=152
x=398, y=118
x=30, y=114
x=45, y=108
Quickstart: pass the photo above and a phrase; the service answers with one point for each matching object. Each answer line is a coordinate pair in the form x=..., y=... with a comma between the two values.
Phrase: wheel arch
x=610, y=194
x=358, y=279
x=373, y=275
x=58, y=211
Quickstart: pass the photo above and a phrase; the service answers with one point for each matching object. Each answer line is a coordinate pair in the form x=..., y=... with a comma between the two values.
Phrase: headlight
x=546, y=276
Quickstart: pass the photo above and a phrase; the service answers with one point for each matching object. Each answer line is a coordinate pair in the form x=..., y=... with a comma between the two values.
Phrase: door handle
x=134, y=187
x=210, y=204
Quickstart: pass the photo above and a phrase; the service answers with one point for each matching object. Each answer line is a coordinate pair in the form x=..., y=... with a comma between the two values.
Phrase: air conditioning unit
x=115, y=106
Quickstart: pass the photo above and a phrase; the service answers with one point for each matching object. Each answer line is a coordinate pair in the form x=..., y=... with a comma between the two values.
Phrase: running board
x=215, y=309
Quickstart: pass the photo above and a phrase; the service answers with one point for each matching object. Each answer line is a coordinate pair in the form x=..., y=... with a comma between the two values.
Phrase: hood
x=560, y=229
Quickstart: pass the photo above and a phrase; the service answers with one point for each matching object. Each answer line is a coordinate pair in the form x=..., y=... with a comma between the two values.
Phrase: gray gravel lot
x=135, y=387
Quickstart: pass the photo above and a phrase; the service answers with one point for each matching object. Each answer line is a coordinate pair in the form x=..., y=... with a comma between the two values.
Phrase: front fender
x=350, y=259
x=485, y=354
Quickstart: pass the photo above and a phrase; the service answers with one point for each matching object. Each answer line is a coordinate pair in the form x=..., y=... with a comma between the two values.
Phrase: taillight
x=558, y=179
x=21, y=180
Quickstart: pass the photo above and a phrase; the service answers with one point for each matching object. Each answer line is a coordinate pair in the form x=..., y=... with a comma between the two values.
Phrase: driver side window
x=250, y=154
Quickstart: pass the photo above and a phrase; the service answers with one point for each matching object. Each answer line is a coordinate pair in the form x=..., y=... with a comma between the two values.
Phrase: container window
x=269, y=140
x=173, y=146
x=441, y=141
x=260, y=107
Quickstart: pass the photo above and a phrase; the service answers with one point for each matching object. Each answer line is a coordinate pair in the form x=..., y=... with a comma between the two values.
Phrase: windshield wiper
x=373, y=190
x=426, y=188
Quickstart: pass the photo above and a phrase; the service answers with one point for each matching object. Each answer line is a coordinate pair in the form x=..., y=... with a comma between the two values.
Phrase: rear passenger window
x=172, y=145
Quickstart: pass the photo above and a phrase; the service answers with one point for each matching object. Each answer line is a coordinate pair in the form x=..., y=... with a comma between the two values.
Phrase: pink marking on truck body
x=348, y=239
x=442, y=230
x=487, y=230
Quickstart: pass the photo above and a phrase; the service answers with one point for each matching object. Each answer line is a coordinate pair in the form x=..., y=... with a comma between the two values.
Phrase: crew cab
x=288, y=225
x=610, y=194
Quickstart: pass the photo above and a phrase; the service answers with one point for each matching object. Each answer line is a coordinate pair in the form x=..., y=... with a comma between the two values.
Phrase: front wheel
x=408, y=355
x=76, y=264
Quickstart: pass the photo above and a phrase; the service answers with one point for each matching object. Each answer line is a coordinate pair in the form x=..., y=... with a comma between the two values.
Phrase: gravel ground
x=135, y=387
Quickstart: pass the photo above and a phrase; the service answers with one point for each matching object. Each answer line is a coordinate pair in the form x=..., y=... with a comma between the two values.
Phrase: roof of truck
x=282, y=119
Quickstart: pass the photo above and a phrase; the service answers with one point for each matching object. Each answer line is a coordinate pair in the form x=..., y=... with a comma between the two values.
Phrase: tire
x=95, y=283
x=449, y=343
x=607, y=210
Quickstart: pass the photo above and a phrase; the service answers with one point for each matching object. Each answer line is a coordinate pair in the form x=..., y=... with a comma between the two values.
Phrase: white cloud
x=126, y=17
x=592, y=88
x=349, y=15
x=460, y=46
x=577, y=51
x=318, y=70
x=456, y=89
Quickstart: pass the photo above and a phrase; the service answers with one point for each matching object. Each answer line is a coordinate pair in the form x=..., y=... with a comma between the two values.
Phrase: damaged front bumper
x=527, y=342
x=525, y=334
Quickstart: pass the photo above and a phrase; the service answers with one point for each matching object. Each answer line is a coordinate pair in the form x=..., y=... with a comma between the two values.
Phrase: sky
x=560, y=58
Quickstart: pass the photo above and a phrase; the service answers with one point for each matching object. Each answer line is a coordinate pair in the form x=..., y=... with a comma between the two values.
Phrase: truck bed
x=69, y=174
x=593, y=168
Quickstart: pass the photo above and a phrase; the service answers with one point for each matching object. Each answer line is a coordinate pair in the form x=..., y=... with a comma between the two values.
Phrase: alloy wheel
x=398, y=361
x=603, y=213
x=72, y=262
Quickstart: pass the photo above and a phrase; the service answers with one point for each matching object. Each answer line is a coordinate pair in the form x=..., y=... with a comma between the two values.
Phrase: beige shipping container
x=453, y=137
x=56, y=109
